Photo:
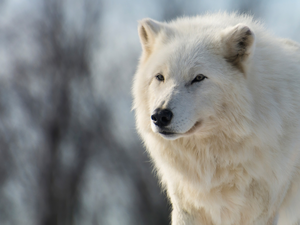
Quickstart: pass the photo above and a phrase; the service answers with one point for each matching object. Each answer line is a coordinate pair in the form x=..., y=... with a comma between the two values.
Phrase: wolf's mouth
x=189, y=132
x=169, y=135
x=166, y=133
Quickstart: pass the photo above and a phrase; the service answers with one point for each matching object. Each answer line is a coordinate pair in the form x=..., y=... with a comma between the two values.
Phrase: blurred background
x=69, y=152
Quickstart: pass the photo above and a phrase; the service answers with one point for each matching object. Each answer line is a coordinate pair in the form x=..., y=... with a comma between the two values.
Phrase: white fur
x=234, y=156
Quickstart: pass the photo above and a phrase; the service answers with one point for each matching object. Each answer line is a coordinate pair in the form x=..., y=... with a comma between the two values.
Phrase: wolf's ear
x=148, y=31
x=238, y=45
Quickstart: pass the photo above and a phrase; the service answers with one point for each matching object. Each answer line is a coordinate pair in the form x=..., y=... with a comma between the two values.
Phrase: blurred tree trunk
x=66, y=60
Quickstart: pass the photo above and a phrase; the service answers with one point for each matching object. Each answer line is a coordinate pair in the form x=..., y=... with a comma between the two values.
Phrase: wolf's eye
x=160, y=77
x=198, y=78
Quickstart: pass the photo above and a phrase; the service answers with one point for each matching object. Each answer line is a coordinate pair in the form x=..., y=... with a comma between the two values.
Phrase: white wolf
x=217, y=103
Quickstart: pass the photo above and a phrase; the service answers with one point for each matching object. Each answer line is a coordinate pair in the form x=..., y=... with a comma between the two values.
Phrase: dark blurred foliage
x=55, y=132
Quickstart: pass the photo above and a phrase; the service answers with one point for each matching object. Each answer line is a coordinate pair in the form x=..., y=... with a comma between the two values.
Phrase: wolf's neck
x=202, y=160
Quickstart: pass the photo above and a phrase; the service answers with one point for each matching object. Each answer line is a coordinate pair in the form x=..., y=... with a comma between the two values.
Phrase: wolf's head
x=191, y=76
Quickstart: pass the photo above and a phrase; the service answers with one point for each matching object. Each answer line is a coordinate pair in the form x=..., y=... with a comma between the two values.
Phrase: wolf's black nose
x=162, y=117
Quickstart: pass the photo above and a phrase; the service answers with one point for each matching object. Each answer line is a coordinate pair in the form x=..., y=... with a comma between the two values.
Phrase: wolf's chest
x=222, y=192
